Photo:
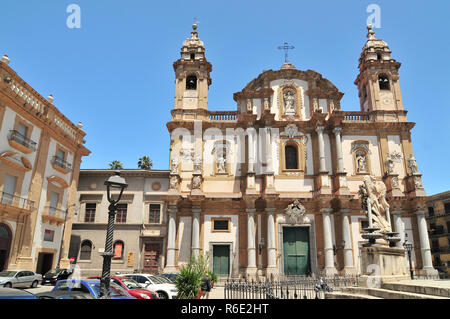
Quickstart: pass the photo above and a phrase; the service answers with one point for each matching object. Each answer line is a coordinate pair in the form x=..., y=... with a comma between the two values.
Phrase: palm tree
x=116, y=165
x=145, y=163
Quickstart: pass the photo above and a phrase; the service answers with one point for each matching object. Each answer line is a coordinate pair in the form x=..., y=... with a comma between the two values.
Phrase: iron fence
x=287, y=287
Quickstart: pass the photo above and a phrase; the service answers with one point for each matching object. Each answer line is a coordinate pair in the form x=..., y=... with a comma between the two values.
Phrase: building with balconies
x=438, y=218
x=40, y=156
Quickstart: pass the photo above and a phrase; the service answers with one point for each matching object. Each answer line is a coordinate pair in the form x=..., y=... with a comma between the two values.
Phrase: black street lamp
x=115, y=182
x=409, y=248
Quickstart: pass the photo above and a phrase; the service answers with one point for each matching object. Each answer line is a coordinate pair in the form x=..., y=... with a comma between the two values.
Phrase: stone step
x=441, y=288
x=343, y=295
x=388, y=294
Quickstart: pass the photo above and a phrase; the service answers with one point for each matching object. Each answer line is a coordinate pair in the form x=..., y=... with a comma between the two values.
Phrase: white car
x=19, y=278
x=164, y=289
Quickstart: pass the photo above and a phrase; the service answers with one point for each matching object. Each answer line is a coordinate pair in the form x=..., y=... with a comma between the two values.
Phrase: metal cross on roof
x=286, y=47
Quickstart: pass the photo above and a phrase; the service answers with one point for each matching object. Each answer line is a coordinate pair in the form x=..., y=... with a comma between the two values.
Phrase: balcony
x=15, y=204
x=222, y=115
x=61, y=165
x=53, y=215
x=21, y=142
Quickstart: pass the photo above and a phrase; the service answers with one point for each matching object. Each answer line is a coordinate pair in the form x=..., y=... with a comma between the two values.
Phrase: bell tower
x=192, y=72
x=378, y=80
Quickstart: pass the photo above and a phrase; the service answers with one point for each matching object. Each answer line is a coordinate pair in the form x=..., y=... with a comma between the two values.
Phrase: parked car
x=19, y=278
x=12, y=293
x=163, y=289
x=171, y=276
x=132, y=287
x=91, y=286
x=62, y=294
x=52, y=276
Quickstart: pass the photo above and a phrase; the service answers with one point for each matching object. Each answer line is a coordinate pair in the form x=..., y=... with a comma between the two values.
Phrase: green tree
x=116, y=165
x=145, y=163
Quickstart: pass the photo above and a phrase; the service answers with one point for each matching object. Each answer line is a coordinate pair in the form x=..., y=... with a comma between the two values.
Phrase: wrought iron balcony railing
x=21, y=139
x=16, y=201
x=61, y=163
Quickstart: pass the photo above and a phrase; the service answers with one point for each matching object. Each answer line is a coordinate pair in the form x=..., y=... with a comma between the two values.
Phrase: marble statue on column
x=376, y=192
x=196, y=182
x=412, y=164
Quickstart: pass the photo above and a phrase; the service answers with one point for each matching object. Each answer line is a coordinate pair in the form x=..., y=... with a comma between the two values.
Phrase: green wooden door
x=296, y=250
x=221, y=259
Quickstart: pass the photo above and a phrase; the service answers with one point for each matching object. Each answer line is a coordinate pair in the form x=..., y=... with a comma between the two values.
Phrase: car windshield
x=114, y=290
x=157, y=280
x=53, y=272
x=8, y=273
x=164, y=279
x=130, y=283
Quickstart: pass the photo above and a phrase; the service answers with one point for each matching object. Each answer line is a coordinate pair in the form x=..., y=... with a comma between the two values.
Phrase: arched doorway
x=5, y=245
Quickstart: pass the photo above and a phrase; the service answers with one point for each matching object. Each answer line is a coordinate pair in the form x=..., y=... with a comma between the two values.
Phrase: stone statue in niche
x=289, y=97
x=376, y=192
x=361, y=162
x=390, y=165
x=412, y=164
x=221, y=164
x=196, y=181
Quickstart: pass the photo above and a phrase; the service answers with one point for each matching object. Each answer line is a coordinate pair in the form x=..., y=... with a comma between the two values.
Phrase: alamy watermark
x=74, y=19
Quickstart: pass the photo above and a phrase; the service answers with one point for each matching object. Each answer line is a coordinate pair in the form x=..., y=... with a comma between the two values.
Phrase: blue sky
x=115, y=73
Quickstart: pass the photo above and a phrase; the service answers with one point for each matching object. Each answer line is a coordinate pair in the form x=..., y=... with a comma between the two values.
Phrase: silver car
x=19, y=278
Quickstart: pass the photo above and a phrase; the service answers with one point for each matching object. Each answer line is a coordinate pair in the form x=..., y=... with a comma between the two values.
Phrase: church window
x=191, y=82
x=378, y=56
x=192, y=56
x=221, y=225
x=86, y=249
x=383, y=82
x=291, y=157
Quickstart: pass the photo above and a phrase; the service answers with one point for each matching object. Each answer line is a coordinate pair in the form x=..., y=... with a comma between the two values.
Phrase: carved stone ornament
x=174, y=166
x=296, y=213
x=187, y=155
x=289, y=100
x=360, y=146
x=291, y=131
x=418, y=182
x=173, y=182
x=198, y=164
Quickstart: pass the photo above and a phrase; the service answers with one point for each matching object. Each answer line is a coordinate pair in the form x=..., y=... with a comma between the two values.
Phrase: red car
x=132, y=287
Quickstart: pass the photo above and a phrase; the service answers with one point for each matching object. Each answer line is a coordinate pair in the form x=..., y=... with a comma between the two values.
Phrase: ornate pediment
x=296, y=213
x=291, y=131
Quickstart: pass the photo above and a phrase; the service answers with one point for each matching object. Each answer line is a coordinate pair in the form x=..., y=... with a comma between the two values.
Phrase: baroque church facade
x=272, y=188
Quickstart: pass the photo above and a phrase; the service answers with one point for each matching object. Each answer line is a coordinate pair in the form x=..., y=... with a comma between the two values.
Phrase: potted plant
x=188, y=283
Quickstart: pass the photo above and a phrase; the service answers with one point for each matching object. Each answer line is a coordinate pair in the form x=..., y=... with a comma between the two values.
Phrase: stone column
x=346, y=236
x=322, y=167
x=271, y=247
x=328, y=242
x=399, y=226
x=425, y=244
x=337, y=133
x=251, y=249
x=269, y=149
x=171, y=237
x=195, y=232
x=251, y=150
